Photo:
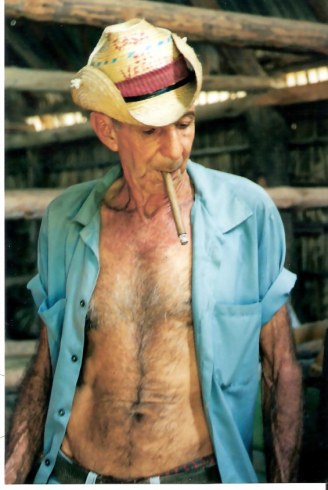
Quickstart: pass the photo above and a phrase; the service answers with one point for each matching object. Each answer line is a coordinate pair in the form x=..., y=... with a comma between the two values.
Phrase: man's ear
x=104, y=128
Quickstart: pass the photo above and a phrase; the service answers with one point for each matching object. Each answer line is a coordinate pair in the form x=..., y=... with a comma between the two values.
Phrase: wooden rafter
x=243, y=61
x=49, y=136
x=37, y=80
x=293, y=95
x=197, y=23
x=282, y=96
x=31, y=203
x=25, y=79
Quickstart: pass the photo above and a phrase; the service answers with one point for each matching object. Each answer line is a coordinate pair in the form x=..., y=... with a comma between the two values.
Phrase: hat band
x=190, y=78
x=150, y=81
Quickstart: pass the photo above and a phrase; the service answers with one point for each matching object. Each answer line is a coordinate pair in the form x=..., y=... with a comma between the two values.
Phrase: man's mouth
x=172, y=167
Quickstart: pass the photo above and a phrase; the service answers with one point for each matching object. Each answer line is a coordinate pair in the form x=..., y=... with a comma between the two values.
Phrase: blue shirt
x=238, y=283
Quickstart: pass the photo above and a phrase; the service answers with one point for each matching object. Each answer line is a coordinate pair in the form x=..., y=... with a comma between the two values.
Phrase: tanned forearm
x=281, y=401
x=24, y=440
x=282, y=420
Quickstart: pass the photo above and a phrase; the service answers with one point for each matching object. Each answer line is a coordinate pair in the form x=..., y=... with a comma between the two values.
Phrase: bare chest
x=145, y=275
x=140, y=312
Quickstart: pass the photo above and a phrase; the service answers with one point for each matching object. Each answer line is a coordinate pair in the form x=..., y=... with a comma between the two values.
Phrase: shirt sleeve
x=38, y=284
x=44, y=288
x=275, y=280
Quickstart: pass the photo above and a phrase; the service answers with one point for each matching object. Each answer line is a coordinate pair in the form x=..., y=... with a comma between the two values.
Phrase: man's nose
x=171, y=145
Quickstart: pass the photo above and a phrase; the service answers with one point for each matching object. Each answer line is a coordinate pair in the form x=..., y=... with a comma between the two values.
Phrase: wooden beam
x=243, y=62
x=293, y=95
x=20, y=348
x=21, y=79
x=31, y=203
x=240, y=82
x=197, y=23
x=304, y=63
x=37, y=80
x=221, y=110
x=283, y=96
x=311, y=331
x=300, y=198
x=48, y=136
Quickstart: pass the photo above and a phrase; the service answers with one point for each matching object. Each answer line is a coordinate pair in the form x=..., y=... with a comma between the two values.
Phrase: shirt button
x=82, y=303
x=47, y=462
x=61, y=412
x=74, y=358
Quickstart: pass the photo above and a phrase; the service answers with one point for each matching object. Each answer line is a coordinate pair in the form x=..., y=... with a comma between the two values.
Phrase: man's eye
x=149, y=131
x=185, y=124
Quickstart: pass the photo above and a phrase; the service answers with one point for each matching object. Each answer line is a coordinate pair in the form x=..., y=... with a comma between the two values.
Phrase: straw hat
x=139, y=74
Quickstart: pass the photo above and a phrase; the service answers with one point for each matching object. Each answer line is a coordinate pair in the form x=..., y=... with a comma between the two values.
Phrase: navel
x=138, y=416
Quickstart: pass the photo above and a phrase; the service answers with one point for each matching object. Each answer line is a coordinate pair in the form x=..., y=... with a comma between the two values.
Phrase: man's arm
x=281, y=399
x=25, y=437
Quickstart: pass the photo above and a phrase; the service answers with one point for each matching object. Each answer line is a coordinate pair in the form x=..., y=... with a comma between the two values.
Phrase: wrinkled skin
x=281, y=400
x=147, y=405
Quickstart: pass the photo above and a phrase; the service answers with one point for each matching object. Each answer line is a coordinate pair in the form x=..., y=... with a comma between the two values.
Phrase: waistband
x=201, y=470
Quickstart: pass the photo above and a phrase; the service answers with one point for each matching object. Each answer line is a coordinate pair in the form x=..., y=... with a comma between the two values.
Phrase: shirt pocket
x=236, y=343
x=53, y=317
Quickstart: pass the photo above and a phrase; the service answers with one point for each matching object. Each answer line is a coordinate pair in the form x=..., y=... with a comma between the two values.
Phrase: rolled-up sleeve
x=277, y=295
x=275, y=280
x=37, y=290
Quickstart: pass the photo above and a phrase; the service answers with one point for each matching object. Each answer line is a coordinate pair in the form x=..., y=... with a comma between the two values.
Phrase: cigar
x=175, y=208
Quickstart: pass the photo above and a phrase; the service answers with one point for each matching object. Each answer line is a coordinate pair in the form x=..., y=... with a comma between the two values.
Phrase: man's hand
x=281, y=399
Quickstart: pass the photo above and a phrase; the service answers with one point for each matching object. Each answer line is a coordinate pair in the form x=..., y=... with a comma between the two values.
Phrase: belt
x=199, y=471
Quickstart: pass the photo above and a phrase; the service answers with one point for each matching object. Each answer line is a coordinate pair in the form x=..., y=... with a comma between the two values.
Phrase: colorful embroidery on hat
x=129, y=54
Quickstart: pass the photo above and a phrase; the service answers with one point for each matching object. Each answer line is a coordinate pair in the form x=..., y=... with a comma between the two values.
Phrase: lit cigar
x=175, y=208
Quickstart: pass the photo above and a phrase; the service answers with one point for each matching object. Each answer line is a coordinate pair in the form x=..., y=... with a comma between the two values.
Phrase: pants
x=204, y=470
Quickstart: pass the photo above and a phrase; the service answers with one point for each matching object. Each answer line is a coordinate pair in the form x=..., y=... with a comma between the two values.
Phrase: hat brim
x=94, y=91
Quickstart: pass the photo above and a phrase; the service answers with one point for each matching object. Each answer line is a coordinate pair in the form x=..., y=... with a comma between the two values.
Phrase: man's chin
x=178, y=174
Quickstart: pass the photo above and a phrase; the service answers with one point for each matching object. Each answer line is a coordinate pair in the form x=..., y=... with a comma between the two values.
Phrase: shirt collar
x=91, y=204
x=228, y=210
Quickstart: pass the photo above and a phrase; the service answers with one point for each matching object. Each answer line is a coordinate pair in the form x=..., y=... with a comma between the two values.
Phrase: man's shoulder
x=213, y=182
x=68, y=202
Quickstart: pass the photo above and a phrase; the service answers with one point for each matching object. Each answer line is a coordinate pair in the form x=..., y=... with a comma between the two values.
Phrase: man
x=147, y=368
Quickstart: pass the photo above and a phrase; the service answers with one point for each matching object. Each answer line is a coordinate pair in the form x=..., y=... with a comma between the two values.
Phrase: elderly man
x=147, y=366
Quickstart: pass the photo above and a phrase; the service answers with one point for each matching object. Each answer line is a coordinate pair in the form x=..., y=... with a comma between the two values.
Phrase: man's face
x=147, y=151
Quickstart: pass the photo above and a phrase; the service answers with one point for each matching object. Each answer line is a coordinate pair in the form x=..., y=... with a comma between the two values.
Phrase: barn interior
x=262, y=114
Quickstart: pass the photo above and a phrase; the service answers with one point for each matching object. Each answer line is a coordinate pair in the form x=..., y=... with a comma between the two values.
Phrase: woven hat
x=139, y=74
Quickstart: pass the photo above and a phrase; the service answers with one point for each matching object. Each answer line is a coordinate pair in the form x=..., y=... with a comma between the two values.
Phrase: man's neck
x=146, y=200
